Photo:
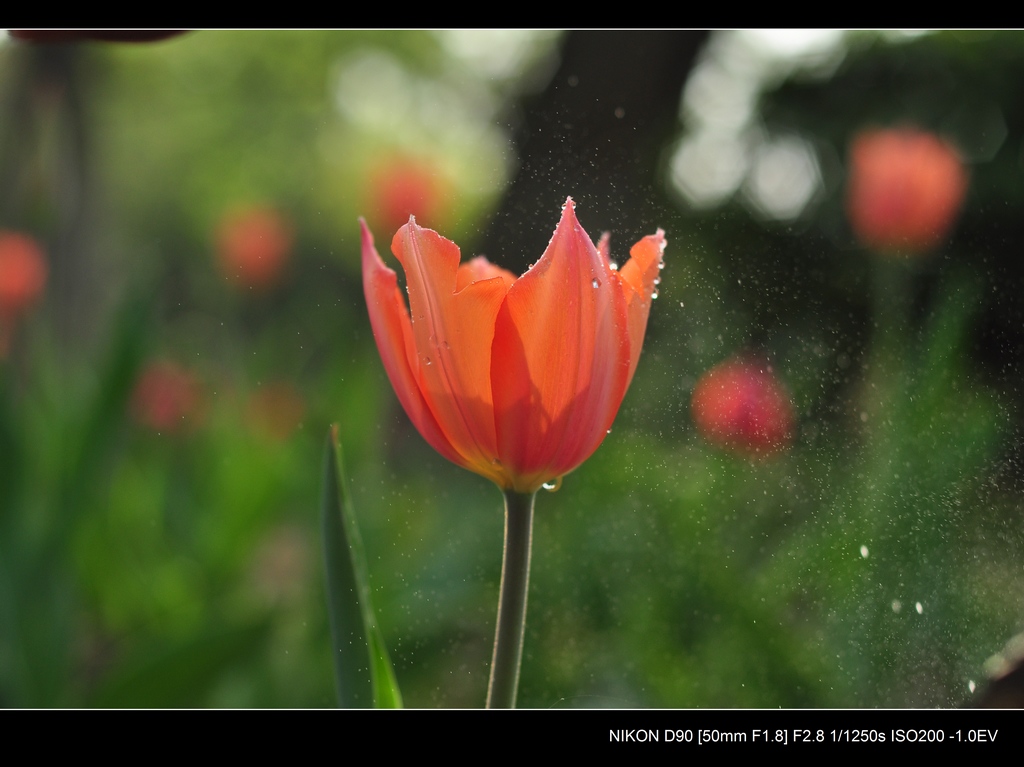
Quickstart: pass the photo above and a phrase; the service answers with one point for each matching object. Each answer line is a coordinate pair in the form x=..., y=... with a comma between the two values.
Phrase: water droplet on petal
x=654, y=295
x=426, y=361
x=661, y=264
x=553, y=485
x=594, y=283
x=614, y=266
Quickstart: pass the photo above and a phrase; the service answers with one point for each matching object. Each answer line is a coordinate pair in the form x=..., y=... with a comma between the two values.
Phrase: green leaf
x=362, y=670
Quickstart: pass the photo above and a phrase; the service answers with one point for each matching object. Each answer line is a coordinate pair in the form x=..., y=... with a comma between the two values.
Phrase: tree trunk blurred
x=596, y=134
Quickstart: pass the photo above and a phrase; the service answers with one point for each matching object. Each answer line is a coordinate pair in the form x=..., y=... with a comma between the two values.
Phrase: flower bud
x=253, y=246
x=905, y=189
x=741, y=405
x=167, y=398
x=22, y=272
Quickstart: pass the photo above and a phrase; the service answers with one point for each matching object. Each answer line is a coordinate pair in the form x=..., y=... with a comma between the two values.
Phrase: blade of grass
x=362, y=670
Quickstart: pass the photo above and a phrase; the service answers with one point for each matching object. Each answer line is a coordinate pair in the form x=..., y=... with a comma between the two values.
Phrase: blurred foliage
x=874, y=563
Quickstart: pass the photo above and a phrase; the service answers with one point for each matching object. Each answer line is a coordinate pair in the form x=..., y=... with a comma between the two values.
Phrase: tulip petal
x=392, y=330
x=638, y=279
x=453, y=332
x=480, y=268
x=561, y=358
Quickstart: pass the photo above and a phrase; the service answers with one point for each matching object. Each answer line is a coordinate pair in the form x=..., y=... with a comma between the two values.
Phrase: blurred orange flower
x=167, y=398
x=23, y=275
x=905, y=189
x=741, y=405
x=254, y=245
x=401, y=187
x=519, y=379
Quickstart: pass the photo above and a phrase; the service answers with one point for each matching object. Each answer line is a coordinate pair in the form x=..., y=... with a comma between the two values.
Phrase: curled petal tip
x=568, y=214
x=659, y=238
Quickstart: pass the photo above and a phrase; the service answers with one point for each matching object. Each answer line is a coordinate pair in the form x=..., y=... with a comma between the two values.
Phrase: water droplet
x=426, y=361
x=919, y=607
x=614, y=266
x=864, y=551
x=657, y=280
x=661, y=264
x=654, y=295
x=594, y=283
x=608, y=432
x=553, y=485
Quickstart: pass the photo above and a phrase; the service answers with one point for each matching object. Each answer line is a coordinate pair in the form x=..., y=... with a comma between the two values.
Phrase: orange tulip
x=519, y=379
x=254, y=245
x=906, y=188
x=400, y=187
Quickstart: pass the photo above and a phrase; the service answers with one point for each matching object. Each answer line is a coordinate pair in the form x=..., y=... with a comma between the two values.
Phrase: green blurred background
x=163, y=414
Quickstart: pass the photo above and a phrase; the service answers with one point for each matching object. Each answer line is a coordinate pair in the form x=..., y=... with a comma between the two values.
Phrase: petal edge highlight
x=392, y=331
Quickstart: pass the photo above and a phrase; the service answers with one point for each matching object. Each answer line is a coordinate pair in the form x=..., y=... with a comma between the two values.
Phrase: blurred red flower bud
x=167, y=398
x=401, y=187
x=22, y=278
x=740, y=404
x=905, y=189
x=22, y=272
x=253, y=246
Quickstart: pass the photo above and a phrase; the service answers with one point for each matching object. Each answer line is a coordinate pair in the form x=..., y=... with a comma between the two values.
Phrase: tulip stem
x=515, y=579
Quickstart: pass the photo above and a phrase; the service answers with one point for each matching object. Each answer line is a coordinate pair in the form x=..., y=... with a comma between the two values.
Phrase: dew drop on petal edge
x=553, y=485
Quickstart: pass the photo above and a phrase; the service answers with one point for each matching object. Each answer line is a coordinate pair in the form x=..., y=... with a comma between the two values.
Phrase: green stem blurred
x=515, y=579
x=892, y=310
